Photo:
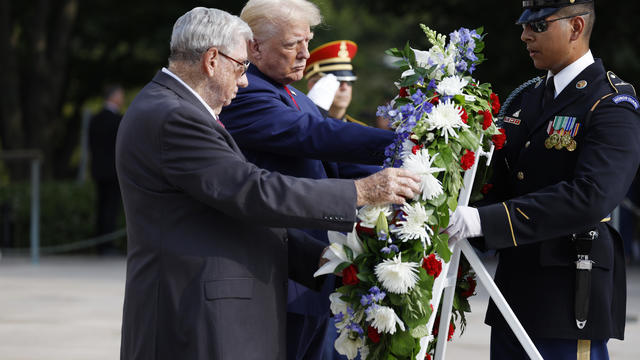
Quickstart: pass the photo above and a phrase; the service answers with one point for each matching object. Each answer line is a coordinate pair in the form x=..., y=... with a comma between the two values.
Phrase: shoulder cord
x=514, y=93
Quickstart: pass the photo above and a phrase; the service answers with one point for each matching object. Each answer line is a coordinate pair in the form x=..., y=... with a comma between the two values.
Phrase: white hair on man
x=201, y=29
x=264, y=16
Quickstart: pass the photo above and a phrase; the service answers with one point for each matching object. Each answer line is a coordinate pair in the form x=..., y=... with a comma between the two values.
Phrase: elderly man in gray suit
x=208, y=260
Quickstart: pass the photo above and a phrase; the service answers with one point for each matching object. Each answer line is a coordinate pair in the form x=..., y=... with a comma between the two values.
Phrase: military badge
x=562, y=131
x=510, y=120
x=627, y=98
x=581, y=84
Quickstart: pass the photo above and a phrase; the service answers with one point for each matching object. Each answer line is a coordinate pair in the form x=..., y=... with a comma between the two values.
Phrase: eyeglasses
x=541, y=26
x=245, y=64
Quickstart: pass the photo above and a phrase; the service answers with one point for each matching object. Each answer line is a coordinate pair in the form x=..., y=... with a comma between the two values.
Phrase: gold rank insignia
x=562, y=130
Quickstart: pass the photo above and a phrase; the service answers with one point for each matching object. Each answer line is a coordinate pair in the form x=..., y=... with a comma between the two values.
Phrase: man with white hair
x=206, y=272
x=280, y=129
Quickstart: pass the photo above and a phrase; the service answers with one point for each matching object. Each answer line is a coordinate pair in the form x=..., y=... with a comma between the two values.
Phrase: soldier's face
x=551, y=49
x=284, y=55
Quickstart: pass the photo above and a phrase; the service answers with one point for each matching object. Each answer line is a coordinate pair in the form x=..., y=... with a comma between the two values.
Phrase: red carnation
x=416, y=148
x=499, y=139
x=486, y=188
x=435, y=99
x=403, y=92
x=436, y=328
x=472, y=288
x=427, y=357
x=432, y=265
x=365, y=230
x=350, y=275
x=487, y=119
x=495, y=103
x=464, y=116
x=467, y=159
x=373, y=334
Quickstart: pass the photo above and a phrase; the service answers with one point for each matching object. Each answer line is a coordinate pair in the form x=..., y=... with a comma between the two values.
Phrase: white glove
x=464, y=223
x=324, y=90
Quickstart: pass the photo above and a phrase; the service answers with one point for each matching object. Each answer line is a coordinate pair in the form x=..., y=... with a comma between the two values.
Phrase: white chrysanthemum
x=420, y=164
x=368, y=214
x=396, y=276
x=451, y=86
x=384, y=319
x=447, y=118
x=336, y=254
x=348, y=344
x=414, y=226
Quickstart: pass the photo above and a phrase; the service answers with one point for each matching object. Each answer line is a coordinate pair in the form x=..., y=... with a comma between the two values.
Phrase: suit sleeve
x=196, y=159
x=259, y=120
x=605, y=168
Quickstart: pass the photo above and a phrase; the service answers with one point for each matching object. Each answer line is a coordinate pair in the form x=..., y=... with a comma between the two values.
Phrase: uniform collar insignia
x=517, y=113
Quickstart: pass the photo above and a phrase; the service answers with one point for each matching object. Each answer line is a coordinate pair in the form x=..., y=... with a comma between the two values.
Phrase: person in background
x=333, y=58
x=103, y=128
x=208, y=258
x=280, y=129
x=571, y=154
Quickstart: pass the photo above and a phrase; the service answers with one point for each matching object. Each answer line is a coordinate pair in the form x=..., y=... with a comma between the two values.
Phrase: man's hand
x=464, y=223
x=324, y=90
x=387, y=186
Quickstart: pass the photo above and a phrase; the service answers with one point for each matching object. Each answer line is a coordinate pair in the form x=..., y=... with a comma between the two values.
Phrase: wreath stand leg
x=447, y=284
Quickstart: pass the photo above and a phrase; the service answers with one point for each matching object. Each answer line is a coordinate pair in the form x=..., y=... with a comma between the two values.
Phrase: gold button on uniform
x=526, y=145
x=520, y=175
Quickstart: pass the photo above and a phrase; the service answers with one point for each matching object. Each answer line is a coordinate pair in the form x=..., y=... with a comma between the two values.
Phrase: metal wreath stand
x=447, y=284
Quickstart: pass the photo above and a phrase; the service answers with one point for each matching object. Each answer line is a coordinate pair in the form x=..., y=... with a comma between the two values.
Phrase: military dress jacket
x=545, y=191
x=280, y=129
x=206, y=269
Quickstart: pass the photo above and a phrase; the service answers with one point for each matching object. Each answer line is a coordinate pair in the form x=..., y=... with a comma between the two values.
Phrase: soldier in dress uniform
x=570, y=156
x=332, y=58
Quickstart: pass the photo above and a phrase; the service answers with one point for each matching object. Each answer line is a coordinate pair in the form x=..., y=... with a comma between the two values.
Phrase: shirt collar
x=566, y=75
x=168, y=72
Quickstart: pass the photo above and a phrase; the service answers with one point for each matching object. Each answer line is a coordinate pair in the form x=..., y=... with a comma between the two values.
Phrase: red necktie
x=291, y=96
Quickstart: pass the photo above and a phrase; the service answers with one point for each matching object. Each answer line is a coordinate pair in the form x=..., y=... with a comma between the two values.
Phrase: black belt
x=583, y=243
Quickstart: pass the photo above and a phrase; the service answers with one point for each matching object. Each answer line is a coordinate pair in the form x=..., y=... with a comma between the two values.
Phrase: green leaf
x=341, y=267
x=442, y=247
x=348, y=251
x=452, y=203
x=402, y=343
x=394, y=298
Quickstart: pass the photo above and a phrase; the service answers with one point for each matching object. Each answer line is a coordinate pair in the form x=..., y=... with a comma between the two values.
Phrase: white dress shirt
x=566, y=75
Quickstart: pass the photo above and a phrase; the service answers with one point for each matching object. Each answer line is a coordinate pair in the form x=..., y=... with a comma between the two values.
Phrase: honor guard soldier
x=570, y=156
x=332, y=94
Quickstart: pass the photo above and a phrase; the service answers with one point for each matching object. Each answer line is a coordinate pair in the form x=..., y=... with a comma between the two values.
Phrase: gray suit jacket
x=206, y=270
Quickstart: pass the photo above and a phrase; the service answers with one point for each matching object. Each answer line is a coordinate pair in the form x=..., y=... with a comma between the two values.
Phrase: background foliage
x=57, y=55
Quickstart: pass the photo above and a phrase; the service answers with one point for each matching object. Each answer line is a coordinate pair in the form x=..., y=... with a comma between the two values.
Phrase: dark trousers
x=505, y=346
x=108, y=207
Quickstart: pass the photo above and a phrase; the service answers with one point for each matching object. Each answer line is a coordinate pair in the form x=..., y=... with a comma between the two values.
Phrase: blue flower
x=382, y=236
x=418, y=97
x=385, y=250
x=394, y=249
x=338, y=317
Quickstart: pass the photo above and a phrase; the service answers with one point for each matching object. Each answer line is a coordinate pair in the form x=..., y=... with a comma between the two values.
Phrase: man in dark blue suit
x=281, y=129
x=572, y=151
